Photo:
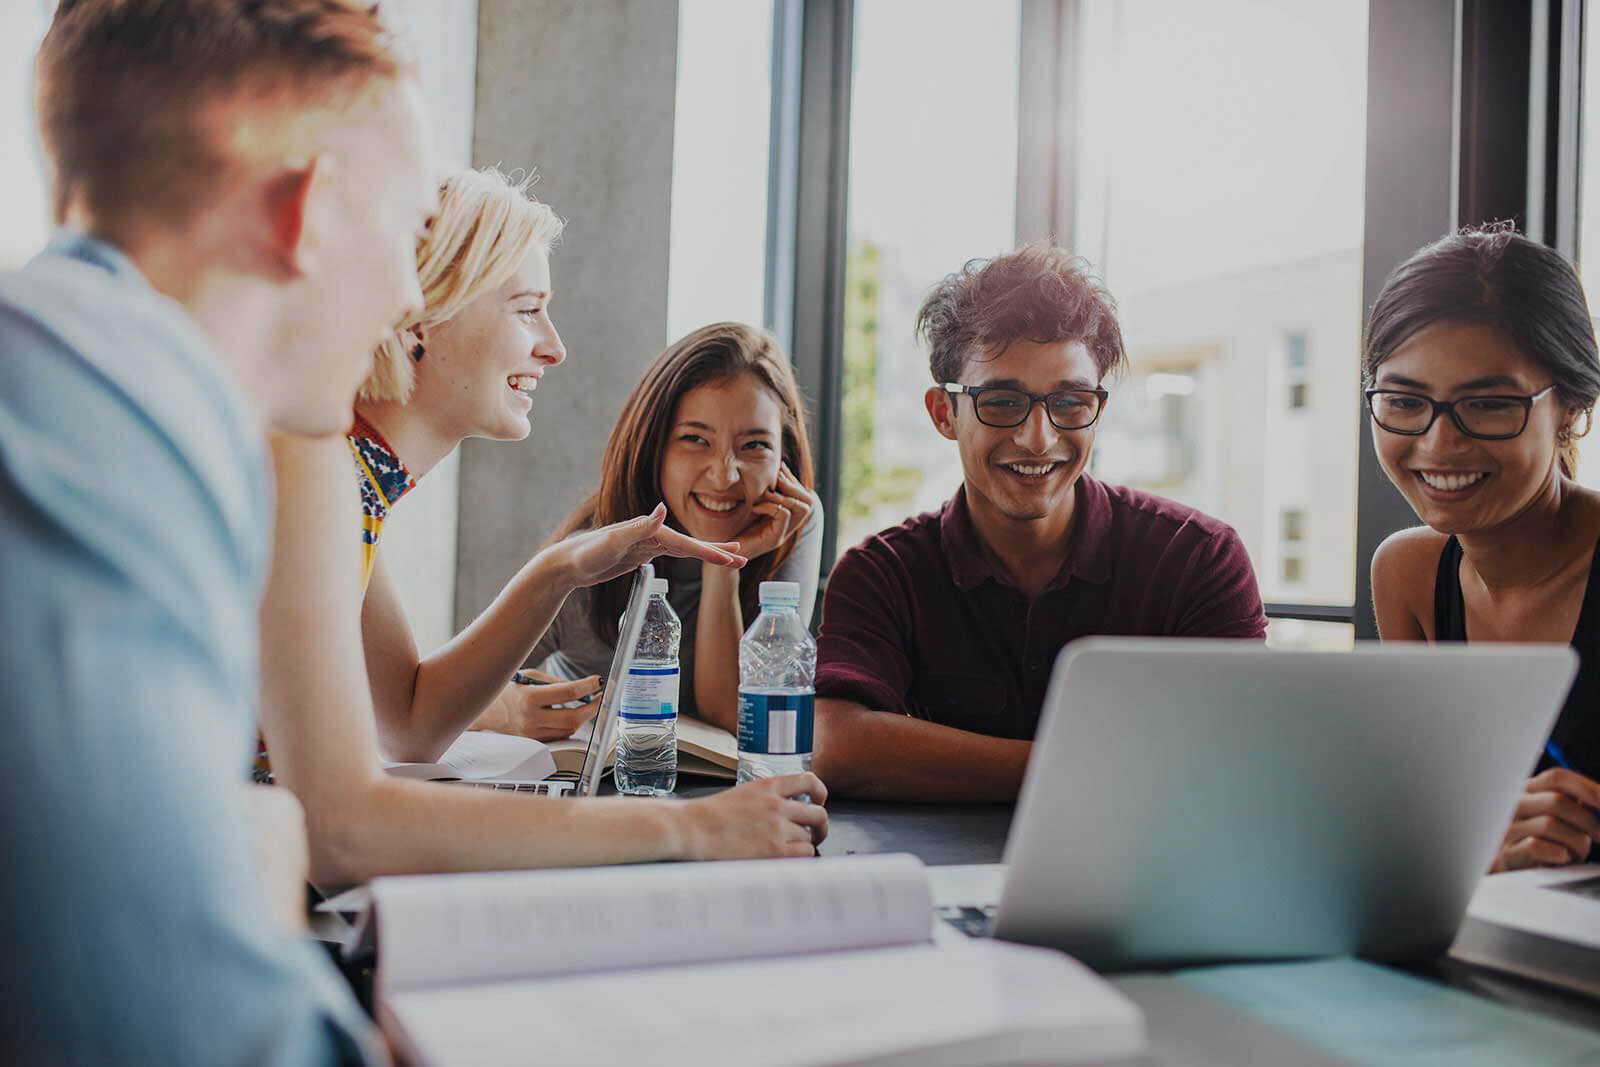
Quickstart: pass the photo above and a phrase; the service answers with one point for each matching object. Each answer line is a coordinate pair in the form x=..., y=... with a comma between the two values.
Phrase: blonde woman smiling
x=341, y=669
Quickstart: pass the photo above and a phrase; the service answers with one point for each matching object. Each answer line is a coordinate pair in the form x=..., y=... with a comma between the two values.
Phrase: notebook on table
x=703, y=749
x=820, y=962
x=483, y=759
x=1542, y=923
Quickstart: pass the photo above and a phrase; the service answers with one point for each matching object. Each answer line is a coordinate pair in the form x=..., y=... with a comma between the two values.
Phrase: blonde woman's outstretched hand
x=596, y=556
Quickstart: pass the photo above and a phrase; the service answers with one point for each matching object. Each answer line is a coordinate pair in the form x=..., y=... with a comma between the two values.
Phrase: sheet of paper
x=480, y=754
x=1557, y=902
x=916, y=1006
x=436, y=929
x=1377, y=1016
x=970, y=884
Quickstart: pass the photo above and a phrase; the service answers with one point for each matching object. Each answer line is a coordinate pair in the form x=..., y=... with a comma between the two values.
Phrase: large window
x=1219, y=192
x=719, y=164
x=1210, y=161
x=933, y=173
x=1589, y=218
x=24, y=215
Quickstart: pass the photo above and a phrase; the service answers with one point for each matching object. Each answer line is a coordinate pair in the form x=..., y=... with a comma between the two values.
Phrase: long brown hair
x=630, y=473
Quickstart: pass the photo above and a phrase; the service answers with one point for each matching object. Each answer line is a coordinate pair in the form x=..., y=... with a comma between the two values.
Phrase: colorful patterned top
x=384, y=480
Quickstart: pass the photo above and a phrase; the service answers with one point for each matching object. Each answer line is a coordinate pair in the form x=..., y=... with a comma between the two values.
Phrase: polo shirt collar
x=1088, y=555
x=75, y=244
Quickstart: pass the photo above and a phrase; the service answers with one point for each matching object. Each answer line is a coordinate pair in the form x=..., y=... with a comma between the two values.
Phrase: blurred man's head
x=263, y=162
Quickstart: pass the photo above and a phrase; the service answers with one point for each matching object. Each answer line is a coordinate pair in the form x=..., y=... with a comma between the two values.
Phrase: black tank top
x=1577, y=731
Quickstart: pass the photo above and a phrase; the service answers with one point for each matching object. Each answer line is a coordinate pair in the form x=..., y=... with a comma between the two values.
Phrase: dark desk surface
x=1186, y=1026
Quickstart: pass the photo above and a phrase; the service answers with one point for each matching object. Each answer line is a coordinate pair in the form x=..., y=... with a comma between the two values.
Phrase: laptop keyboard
x=974, y=922
x=540, y=789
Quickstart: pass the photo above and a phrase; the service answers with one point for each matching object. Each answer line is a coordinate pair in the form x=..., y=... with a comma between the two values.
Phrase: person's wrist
x=553, y=569
x=714, y=576
x=681, y=829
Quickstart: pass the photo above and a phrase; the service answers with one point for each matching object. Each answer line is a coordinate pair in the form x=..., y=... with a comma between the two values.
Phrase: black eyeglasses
x=1003, y=408
x=1488, y=418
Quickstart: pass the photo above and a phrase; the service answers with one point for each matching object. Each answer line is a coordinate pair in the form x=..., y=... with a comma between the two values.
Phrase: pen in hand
x=524, y=679
x=1552, y=750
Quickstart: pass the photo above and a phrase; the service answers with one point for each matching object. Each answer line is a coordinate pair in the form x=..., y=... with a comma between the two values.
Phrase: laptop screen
x=604, y=731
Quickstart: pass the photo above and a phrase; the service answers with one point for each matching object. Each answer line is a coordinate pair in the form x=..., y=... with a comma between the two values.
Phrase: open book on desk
x=485, y=756
x=702, y=749
x=780, y=962
x=1542, y=923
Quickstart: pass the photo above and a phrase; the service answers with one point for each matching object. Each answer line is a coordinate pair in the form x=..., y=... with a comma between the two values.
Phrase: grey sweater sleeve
x=804, y=565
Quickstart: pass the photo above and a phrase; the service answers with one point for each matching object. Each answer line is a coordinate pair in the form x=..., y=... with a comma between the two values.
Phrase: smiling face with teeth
x=1027, y=473
x=722, y=454
x=481, y=366
x=1456, y=483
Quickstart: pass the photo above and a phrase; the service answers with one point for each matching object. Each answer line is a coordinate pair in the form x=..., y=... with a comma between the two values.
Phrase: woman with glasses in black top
x=1482, y=373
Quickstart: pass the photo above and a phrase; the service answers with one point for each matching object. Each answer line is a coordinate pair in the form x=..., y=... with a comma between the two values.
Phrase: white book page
x=711, y=743
x=918, y=1006
x=439, y=929
x=478, y=755
x=1536, y=901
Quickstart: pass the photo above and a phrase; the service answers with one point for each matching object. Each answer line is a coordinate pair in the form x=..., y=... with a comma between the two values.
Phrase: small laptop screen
x=604, y=730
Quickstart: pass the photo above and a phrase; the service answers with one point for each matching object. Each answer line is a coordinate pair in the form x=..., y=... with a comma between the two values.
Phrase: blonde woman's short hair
x=487, y=224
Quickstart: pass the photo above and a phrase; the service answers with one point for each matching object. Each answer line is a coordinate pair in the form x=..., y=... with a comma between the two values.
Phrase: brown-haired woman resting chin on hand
x=342, y=674
x=1482, y=372
x=716, y=431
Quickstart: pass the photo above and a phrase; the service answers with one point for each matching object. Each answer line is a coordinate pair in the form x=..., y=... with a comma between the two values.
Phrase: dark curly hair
x=1039, y=293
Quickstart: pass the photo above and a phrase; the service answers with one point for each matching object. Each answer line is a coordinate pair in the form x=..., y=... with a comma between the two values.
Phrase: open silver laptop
x=1191, y=801
x=603, y=731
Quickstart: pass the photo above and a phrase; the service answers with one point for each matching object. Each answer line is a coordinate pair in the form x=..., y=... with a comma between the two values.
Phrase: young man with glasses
x=938, y=635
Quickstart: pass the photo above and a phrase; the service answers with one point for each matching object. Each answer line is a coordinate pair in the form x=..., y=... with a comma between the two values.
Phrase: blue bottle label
x=775, y=724
x=650, y=693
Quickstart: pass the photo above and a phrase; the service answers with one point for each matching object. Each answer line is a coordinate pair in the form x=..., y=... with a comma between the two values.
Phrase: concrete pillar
x=419, y=538
x=582, y=90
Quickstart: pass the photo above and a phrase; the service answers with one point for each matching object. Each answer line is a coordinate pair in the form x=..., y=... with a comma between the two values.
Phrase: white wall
x=419, y=539
x=24, y=214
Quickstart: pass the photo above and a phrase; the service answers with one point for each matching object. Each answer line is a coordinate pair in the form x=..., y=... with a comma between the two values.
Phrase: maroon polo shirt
x=917, y=619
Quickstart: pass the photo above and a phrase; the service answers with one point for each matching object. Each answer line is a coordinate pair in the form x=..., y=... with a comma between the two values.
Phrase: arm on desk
x=883, y=755
x=278, y=832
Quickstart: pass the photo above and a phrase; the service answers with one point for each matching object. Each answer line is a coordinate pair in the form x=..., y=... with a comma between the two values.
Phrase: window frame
x=1459, y=129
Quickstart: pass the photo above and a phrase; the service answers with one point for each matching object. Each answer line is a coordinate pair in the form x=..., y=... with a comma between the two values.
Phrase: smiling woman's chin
x=506, y=428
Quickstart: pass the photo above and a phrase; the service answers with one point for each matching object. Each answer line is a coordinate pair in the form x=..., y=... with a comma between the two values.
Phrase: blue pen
x=1552, y=750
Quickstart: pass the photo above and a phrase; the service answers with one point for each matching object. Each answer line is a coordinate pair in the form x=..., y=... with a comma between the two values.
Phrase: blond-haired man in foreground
x=241, y=187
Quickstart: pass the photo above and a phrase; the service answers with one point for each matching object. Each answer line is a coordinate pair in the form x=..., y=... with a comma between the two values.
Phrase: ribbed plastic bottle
x=777, y=669
x=647, y=744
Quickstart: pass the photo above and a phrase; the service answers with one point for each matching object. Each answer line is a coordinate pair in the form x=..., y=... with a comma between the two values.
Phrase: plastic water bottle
x=777, y=669
x=647, y=748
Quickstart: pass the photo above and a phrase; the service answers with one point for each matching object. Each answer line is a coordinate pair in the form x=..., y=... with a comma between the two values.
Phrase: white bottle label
x=650, y=693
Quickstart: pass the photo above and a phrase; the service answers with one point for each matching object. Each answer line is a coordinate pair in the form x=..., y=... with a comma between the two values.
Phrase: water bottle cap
x=657, y=585
x=780, y=593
